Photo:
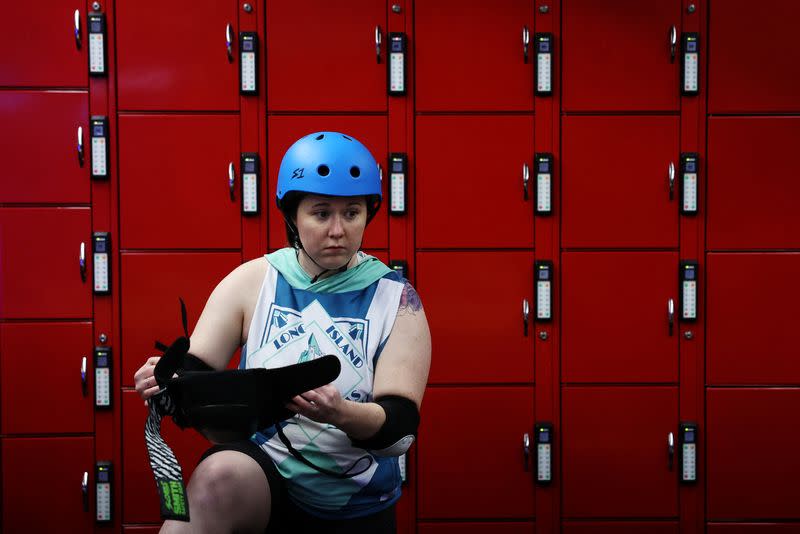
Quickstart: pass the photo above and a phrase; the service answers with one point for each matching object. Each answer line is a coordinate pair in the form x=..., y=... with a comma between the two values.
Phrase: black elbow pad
x=398, y=431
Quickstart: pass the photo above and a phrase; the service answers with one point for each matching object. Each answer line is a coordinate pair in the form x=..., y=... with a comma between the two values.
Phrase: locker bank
x=596, y=200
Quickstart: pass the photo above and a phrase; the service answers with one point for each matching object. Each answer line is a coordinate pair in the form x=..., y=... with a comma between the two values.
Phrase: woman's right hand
x=145, y=379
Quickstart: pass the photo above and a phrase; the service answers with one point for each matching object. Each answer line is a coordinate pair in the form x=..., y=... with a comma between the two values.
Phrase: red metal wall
x=612, y=371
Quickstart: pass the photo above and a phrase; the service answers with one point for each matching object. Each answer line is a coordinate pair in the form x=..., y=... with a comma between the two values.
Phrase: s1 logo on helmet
x=297, y=174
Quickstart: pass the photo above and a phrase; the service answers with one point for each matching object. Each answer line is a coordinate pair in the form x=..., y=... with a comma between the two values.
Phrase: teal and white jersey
x=350, y=315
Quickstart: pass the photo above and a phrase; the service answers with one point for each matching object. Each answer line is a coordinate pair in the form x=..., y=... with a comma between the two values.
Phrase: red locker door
x=476, y=528
x=752, y=182
x=470, y=55
x=139, y=497
x=322, y=57
x=615, y=452
x=470, y=456
x=42, y=35
x=56, y=352
x=371, y=131
x=617, y=181
x=752, y=333
x=754, y=53
x=151, y=286
x=40, y=250
x=752, y=447
x=753, y=528
x=617, y=55
x=470, y=181
x=615, y=325
x=620, y=527
x=39, y=146
x=42, y=480
x=177, y=58
x=174, y=181
x=474, y=304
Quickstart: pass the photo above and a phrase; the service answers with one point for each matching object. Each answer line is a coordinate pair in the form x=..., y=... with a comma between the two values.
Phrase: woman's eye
x=352, y=214
x=321, y=214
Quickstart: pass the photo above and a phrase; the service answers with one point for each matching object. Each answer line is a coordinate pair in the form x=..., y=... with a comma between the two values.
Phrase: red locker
x=470, y=55
x=752, y=446
x=177, y=58
x=619, y=527
x=42, y=362
x=615, y=322
x=39, y=146
x=42, y=484
x=617, y=55
x=471, y=181
x=753, y=528
x=616, y=181
x=371, y=131
x=139, y=497
x=151, y=285
x=175, y=189
x=752, y=182
x=474, y=305
x=615, y=452
x=470, y=458
x=752, y=336
x=477, y=528
x=39, y=44
x=321, y=57
x=753, y=54
x=41, y=263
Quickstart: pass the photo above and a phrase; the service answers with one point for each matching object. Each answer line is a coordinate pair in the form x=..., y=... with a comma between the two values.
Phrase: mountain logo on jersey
x=312, y=352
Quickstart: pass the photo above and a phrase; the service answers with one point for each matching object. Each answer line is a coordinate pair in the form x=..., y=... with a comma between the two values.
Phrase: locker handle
x=80, y=145
x=526, y=313
x=526, y=177
x=232, y=181
x=84, y=385
x=671, y=447
x=380, y=173
x=673, y=42
x=526, y=40
x=78, y=28
x=671, y=315
x=85, y=491
x=526, y=450
x=229, y=41
x=378, y=40
x=82, y=261
x=671, y=180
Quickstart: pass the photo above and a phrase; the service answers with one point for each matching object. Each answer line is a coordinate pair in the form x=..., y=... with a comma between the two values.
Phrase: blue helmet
x=333, y=164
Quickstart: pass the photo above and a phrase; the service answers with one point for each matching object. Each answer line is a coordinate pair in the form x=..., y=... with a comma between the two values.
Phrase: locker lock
x=96, y=6
x=692, y=8
x=543, y=335
x=544, y=9
x=248, y=8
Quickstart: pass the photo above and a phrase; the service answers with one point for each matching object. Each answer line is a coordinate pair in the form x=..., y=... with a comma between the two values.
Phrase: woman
x=320, y=296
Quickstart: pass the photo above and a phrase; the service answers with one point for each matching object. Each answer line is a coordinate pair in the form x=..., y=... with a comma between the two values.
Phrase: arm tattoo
x=409, y=300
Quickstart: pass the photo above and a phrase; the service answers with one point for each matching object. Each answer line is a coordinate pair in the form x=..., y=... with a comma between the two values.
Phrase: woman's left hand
x=323, y=405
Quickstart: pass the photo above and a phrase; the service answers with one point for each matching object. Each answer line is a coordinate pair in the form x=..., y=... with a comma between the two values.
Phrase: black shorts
x=287, y=518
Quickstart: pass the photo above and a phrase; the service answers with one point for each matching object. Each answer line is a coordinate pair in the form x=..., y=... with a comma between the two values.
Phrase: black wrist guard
x=398, y=431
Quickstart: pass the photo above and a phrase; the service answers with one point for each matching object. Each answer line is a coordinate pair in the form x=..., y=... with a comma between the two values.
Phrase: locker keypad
x=101, y=272
x=690, y=81
x=543, y=462
x=691, y=60
x=689, y=299
x=99, y=150
x=102, y=380
x=543, y=193
x=96, y=60
x=689, y=462
x=690, y=192
x=544, y=61
x=103, y=492
x=250, y=198
x=397, y=182
x=248, y=71
x=396, y=72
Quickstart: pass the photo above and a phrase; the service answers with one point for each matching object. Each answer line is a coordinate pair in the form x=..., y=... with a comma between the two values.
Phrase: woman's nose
x=336, y=228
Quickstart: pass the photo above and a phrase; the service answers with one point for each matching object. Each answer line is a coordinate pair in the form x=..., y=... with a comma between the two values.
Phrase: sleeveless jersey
x=350, y=315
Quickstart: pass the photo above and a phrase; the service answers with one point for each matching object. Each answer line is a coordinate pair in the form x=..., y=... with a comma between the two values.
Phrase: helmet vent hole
x=323, y=170
x=319, y=137
x=355, y=172
x=346, y=137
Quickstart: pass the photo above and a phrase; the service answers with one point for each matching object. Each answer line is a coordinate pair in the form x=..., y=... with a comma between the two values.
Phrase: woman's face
x=331, y=228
